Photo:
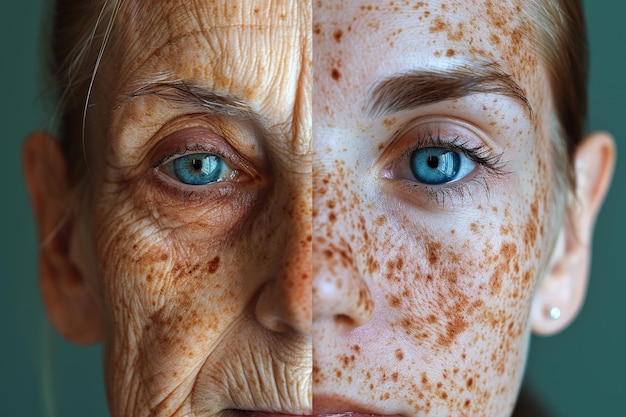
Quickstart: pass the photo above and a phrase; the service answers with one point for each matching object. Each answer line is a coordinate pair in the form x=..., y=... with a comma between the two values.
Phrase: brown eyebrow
x=422, y=87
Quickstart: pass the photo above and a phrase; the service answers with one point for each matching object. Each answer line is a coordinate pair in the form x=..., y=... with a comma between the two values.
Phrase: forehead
x=250, y=50
x=358, y=42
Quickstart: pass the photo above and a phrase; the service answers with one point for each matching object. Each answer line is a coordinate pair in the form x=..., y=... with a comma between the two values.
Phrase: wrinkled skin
x=422, y=293
x=205, y=290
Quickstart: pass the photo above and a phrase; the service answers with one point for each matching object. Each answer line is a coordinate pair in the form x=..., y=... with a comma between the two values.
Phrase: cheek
x=171, y=284
x=452, y=304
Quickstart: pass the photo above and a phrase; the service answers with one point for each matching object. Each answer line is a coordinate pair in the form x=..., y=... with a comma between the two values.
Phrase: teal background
x=580, y=372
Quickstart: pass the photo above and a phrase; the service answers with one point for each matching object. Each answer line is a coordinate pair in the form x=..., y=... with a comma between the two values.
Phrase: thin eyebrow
x=422, y=87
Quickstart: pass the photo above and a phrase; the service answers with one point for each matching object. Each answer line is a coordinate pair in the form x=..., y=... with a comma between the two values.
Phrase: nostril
x=344, y=320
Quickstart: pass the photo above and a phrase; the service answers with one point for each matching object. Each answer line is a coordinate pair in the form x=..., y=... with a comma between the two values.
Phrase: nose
x=285, y=301
x=340, y=292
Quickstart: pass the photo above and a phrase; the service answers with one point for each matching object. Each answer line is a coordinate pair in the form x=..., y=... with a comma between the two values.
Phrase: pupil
x=432, y=161
x=196, y=164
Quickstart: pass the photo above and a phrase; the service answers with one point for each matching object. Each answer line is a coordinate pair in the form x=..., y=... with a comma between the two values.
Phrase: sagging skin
x=200, y=293
x=424, y=296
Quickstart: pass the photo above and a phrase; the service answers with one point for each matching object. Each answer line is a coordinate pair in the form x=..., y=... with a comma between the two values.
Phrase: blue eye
x=199, y=168
x=436, y=166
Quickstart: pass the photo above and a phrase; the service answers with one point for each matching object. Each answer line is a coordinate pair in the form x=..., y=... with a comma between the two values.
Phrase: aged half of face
x=434, y=207
x=191, y=243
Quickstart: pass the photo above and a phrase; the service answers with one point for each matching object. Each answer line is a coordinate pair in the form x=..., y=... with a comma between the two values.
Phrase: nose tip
x=352, y=306
x=340, y=293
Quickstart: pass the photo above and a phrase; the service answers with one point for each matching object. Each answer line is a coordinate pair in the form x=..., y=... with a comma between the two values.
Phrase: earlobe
x=69, y=302
x=561, y=294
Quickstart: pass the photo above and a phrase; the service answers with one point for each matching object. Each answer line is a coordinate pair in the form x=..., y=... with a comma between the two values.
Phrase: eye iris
x=435, y=165
x=198, y=169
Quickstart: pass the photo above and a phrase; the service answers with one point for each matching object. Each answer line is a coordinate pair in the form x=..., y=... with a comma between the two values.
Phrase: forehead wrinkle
x=422, y=87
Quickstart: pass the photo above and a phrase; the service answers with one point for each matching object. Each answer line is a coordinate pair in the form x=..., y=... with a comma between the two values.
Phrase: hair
x=561, y=41
x=81, y=30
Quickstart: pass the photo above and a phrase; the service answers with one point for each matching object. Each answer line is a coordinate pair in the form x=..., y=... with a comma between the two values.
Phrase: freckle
x=317, y=29
x=399, y=354
x=433, y=249
x=450, y=53
x=214, y=265
x=390, y=121
x=395, y=301
x=337, y=35
x=394, y=377
x=470, y=383
x=424, y=378
x=335, y=74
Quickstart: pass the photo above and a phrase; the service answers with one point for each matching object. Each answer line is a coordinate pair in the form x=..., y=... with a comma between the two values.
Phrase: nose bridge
x=340, y=292
x=296, y=272
x=285, y=304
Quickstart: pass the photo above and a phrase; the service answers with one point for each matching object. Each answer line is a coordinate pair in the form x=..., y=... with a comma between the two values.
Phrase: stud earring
x=554, y=312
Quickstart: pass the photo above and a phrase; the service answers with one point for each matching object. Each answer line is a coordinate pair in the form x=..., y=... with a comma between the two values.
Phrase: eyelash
x=187, y=150
x=483, y=156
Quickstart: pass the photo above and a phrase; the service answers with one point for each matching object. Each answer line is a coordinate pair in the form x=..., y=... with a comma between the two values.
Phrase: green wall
x=577, y=373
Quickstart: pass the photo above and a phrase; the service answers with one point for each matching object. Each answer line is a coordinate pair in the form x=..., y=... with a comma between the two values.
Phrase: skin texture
x=422, y=294
x=204, y=293
x=317, y=276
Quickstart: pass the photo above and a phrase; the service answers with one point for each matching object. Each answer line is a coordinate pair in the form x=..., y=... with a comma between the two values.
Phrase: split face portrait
x=336, y=208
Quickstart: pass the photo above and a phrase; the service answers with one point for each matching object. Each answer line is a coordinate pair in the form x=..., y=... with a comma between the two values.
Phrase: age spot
x=214, y=265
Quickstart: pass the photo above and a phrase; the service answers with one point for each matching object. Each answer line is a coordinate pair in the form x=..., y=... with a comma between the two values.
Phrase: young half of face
x=186, y=249
x=439, y=238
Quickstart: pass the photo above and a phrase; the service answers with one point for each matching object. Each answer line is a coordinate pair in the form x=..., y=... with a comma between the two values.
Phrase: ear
x=69, y=301
x=565, y=284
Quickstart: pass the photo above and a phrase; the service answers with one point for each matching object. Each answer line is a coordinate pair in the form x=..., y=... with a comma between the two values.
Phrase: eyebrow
x=189, y=93
x=422, y=87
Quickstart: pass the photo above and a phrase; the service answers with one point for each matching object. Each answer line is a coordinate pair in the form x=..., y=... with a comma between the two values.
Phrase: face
x=200, y=229
x=432, y=190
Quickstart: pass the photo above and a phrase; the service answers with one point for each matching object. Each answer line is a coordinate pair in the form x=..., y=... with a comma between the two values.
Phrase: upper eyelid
x=474, y=143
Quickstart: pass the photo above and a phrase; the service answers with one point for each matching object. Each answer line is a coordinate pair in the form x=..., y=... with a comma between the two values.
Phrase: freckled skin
x=206, y=293
x=434, y=289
